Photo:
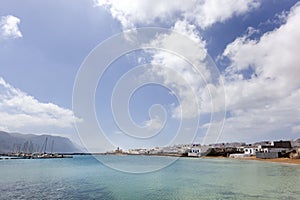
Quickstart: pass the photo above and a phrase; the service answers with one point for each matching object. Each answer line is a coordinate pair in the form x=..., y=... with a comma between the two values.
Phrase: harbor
x=26, y=151
x=33, y=156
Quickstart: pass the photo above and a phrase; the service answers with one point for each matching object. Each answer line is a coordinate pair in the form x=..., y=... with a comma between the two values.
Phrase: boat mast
x=44, y=146
x=52, y=144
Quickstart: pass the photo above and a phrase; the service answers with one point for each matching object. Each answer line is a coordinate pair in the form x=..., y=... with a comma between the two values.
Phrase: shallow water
x=83, y=177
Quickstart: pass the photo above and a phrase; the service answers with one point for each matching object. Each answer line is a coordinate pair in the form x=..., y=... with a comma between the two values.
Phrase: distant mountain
x=12, y=142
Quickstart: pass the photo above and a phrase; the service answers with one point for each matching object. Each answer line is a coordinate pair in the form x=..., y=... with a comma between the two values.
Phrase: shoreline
x=271, y=160
x=276, y=160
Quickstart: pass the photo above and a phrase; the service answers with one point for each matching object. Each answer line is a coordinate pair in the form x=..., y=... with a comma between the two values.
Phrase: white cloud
x=185, y=17
x=9, y=27
x=203, y=13
x=195, y=79
x=154, y=124
x=178, y=73
x=261, y=84
x=206, y=13
x=273, y=59
x=269, y=99
x=131, y=13
x=19, y=110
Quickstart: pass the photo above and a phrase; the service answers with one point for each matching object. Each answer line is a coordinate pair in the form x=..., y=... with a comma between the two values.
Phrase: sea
x=86, y=177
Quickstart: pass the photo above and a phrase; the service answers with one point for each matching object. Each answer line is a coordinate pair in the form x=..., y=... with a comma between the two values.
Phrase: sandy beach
x=275, y=160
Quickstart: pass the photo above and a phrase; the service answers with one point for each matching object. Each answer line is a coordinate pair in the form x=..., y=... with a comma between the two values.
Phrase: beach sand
x=275, y=160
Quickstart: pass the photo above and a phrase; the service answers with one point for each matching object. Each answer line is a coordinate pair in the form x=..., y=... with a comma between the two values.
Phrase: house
x=282, y=144
x=251, y=150
x=278, y=146
x=195, y=152
x=276, y=150
x=198, y=151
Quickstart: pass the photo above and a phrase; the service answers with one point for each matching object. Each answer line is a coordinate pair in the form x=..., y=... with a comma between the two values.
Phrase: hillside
x=10, y=142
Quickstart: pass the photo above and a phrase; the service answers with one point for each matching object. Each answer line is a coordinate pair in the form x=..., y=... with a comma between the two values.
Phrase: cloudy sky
x=253, y=44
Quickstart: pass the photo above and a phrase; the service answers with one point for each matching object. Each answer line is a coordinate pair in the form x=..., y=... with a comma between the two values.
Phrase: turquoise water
x=83, y=177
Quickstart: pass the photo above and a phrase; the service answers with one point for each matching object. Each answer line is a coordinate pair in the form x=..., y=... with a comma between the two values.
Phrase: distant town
x=20, y=146
x=263, y=150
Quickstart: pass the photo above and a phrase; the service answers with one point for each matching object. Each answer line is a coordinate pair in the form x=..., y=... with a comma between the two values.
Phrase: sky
x=221, y=71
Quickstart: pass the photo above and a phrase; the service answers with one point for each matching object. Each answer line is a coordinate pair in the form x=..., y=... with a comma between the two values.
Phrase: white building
x=251, y=150
x=195, y=152
x=198, y=151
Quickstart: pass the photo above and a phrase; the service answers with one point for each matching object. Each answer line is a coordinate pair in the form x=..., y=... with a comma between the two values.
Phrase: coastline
x=276, y=160
x=272, y=160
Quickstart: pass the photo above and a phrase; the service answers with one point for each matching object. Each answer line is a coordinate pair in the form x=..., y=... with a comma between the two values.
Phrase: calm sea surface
x=83, y=177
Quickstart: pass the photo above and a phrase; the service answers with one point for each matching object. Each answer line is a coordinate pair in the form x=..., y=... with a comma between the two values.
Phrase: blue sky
x=253, y=43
